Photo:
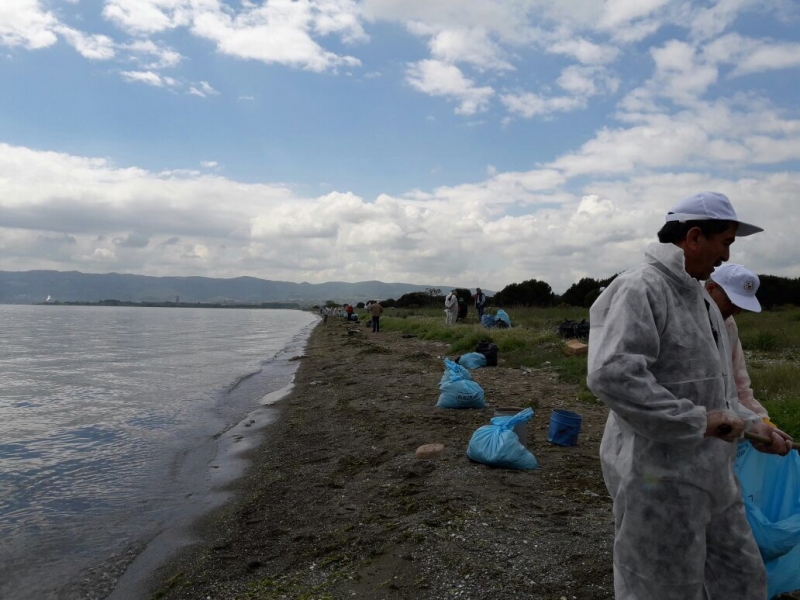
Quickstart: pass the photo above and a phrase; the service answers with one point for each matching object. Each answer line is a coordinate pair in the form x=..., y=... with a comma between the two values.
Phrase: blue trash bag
x=461, y=394
x=472, y=360
x=487, y=320
x=453, y=372
x=458, y=390
x=771, y=492
x=503, y=317
x=497, y=445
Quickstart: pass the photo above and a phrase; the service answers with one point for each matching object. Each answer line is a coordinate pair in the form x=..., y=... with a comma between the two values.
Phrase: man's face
x=726, y=307
x=704, y=253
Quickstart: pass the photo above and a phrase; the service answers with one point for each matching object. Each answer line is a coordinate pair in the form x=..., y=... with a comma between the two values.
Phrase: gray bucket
x=521, y=429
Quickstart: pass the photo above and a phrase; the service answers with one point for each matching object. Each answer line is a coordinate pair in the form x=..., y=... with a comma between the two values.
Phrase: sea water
x=109, y=419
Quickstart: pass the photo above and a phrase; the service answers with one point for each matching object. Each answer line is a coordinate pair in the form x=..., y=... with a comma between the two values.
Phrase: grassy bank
x=771, y=341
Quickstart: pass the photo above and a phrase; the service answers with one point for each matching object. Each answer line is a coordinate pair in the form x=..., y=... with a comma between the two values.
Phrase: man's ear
x=693, y=238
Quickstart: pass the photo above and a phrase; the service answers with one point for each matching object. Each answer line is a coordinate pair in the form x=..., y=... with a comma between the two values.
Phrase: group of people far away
x=455, y=309
x=665, y=358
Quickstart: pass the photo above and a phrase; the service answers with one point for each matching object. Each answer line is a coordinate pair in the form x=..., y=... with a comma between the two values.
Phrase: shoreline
x=230, y=463
x=334, y=503
x=212, y=465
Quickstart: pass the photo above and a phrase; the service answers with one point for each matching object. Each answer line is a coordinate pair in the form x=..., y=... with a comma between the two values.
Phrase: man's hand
x=781, y=442
x=724, y=425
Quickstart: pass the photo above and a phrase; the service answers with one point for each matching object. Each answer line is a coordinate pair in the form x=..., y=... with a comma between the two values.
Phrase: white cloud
x=277, y=32
x=708, y=22
x=209, y=164
x=441, y=79
x=203, y=89
x=150, y=16
x=94, y=47
x=147, y=77
x=472, y=46
x=64, y=211
x=585, y=51
x=25, y=23
x=749, y=55
x=617, y=13
x=529, y=105
x=587, y=81
x=152, y=56
x=339, y=16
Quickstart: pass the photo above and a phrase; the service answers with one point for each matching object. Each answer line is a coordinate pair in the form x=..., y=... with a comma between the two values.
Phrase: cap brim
x=750, y=303
x=746, y=229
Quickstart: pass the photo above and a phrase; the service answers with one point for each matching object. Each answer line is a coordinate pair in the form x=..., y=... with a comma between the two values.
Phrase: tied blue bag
x=457, y=388
x=502, y=317
x=497, y=445
x=472, y=360
x=771, y=493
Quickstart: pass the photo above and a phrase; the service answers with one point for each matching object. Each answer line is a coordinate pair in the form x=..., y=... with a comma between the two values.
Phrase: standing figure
x=376, y=310
x=659, y=358
x=480, y=302
x=451, y=308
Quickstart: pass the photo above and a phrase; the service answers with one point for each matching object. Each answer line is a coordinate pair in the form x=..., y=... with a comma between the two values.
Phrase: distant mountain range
x=28, y=287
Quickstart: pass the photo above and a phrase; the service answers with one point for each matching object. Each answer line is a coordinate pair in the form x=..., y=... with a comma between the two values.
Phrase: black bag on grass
x=489, y=350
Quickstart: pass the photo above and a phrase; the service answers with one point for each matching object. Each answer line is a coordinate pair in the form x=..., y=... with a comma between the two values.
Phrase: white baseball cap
x=709, y=206
x=740, y=284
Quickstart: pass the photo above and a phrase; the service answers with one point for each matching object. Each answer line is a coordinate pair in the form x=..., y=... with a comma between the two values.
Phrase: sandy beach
x=335, y=504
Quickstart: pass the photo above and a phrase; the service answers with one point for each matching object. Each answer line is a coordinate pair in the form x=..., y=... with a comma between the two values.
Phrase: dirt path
x=336, y=506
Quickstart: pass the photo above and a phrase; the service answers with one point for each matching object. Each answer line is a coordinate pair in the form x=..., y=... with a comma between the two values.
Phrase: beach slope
x=335, y=504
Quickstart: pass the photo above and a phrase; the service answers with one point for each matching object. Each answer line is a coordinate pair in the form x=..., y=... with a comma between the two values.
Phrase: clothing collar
x=672, y=259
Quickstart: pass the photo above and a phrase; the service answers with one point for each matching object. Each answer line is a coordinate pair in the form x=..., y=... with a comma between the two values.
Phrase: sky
x=436, y=142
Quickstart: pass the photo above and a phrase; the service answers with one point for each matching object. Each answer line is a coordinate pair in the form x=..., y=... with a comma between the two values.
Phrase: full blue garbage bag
x=503, y=317
x=457, y=388
x=453, y=370
x=487, y=320
x=472, y=360
x=771, y=492
x=497, y=445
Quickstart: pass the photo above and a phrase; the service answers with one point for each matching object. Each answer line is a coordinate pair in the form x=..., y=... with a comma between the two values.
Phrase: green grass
x=532, y=342
x=771, y=341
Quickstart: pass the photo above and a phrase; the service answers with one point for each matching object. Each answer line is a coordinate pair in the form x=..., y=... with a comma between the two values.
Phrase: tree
x=330, y=303
x=528, y=293
x=415, y=300
x=775, y=291
x=433, y=292
x=585, y=292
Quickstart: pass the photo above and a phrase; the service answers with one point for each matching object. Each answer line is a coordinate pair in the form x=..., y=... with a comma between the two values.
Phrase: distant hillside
x=27, y=287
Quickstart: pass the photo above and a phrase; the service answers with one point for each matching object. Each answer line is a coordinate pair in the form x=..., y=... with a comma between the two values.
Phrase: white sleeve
x=624, y=341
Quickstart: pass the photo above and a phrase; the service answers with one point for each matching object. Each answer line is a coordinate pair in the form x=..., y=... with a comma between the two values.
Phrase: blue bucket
x=564, y=428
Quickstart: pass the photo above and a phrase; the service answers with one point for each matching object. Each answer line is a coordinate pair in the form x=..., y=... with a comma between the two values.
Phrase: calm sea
x=110, y=422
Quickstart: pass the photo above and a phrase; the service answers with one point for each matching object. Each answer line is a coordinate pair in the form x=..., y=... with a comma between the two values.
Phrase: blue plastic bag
x=487, y=320
x=503, y=317
x=457, y=388
x=453, y=372
x=472, y=360
x=497, y=445
x=771, y=492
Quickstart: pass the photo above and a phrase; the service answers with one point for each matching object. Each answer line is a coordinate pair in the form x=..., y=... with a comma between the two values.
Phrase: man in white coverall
x=451, y=307
x=659, y=359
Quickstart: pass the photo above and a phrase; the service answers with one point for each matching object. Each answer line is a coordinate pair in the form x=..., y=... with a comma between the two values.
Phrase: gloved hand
x=724, y=425
x=781, y=442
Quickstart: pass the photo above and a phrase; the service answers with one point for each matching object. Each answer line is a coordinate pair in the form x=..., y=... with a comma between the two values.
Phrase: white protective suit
x=653, y=360
x=451, y=308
